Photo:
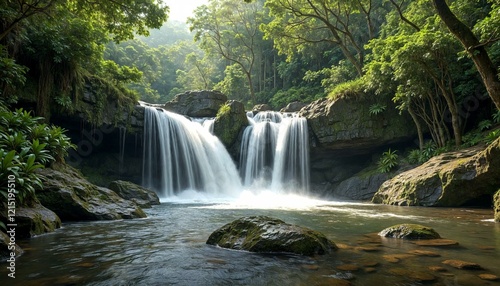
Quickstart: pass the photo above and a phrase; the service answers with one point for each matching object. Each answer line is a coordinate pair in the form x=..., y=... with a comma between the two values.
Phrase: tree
x=474, y=48
x=230, y=29
x=349, y=25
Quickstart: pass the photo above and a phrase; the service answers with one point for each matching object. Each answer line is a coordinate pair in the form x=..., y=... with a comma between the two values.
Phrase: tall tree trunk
x=418, y=125
x=476, y=51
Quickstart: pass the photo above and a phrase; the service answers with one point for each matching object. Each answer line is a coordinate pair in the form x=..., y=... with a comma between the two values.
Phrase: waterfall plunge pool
x=168, y=247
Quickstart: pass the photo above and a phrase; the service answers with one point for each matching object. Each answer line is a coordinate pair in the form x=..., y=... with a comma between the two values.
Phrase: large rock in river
x=410, y=231
x=265, y=234
x=452, y=179
x=346, y=126
x=143, y=197
x=203, y=103
x=73, y=198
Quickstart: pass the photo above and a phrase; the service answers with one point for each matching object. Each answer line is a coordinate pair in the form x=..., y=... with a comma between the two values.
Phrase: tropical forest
x=249, y=142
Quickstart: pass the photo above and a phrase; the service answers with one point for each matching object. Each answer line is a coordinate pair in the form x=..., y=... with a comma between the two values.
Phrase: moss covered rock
x=35, y=220
x=496, y=205
x=201, y=103
x=265, y=234
x=410, y=231
x=73, y=198
x=453, y=179
x=229, y=124
x=130, y=191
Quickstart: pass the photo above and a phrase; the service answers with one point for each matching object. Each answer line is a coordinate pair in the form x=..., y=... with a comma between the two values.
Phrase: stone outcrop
x=360, y=187
x=268, y=235
x=229, y=125
x=73, y=198
x=6, y=248
x=496, y=205
x=261, y=107
x=132, y=192
x=410, y=231
x=35, y=220
x=451, y=179
x=346, y=127
x=295, y=106
x=203, y=103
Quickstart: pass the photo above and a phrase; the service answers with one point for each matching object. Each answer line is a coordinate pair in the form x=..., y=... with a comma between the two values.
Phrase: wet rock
x=496, y=205
x=130, y=191
x=348, y=267
x=489, y=277
x=293, y=107
x=346, y=127
x=437, y=242
x=261, y=107
x=414, y=275
x=265, y=234
x=202, y=103
x=229, y=125
x=73, y=198
x=361, y=186
x=460, y=264
x=5, y=251
x=395, y=258
x=437, y=268
x=424, y=253
x=449, y=180
x=410, y=231
x=34, y=220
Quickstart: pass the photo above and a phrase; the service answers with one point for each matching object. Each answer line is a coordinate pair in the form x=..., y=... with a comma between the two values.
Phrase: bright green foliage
x=388, y=161
x=27, y=145
x=376, y=108
x=230, y=29
x=492, y=136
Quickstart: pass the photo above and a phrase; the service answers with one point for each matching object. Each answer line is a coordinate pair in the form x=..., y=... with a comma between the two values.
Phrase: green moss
x=410, y=231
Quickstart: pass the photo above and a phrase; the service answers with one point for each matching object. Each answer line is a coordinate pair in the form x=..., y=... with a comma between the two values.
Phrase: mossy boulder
x=496, y=205
x=270, y=235
x=229, y=124
x=410, y=231
x=465, y=177
x=73, y=198
x=35, y=220
x=200, y=103
x=141, y=196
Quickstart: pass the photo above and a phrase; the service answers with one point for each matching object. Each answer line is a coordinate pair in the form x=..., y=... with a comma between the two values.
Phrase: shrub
x=27, y=145
x=388, y=161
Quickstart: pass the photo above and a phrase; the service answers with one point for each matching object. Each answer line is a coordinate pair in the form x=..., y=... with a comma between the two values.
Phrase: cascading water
x=182, y=155
x=275, y=152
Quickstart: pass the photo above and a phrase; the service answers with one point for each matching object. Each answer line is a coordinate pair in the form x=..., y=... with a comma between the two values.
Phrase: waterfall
x=275, y=152
x=182, y=155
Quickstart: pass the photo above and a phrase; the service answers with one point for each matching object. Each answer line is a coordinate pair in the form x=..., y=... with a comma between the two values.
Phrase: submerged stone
x=460, y=264
x=266, y=234
x=410, y=231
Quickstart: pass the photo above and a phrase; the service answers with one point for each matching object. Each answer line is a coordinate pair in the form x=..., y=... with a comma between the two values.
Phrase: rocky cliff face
x=346, y=127
x=344, y=135
x=459, y=178
x=204, y=103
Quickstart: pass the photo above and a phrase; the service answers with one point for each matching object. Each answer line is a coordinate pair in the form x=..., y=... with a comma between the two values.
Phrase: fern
x=388, y=161
x=376, y=108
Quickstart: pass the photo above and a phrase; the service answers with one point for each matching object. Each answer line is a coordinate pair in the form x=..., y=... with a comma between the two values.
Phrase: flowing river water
x=168, y=247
